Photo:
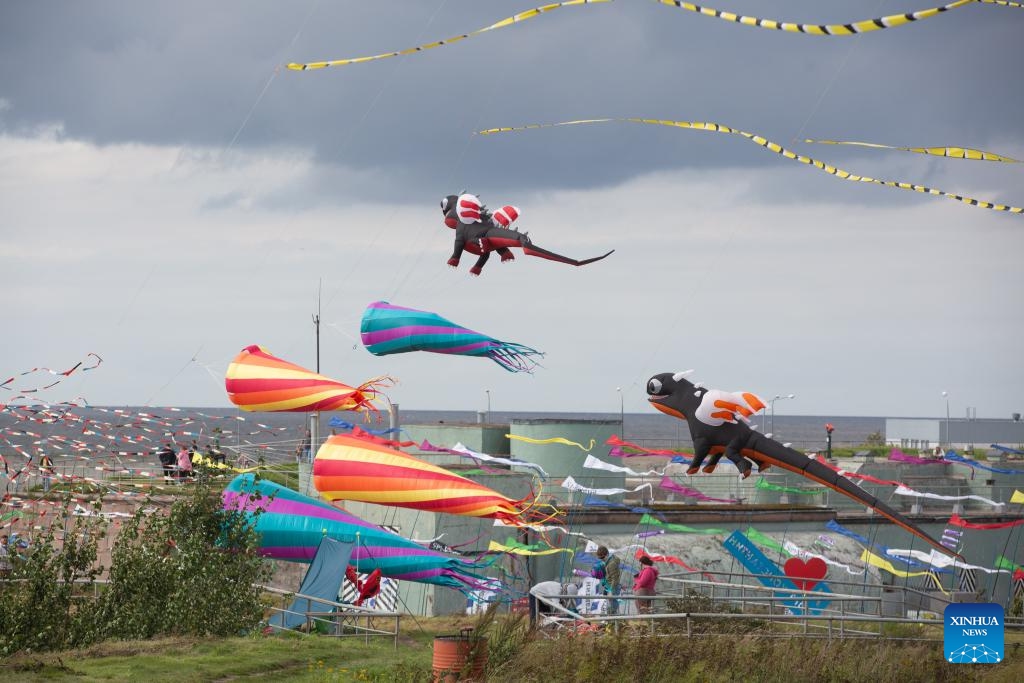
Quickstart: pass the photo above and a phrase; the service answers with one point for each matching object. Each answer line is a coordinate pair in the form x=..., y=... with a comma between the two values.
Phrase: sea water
x=143, y=429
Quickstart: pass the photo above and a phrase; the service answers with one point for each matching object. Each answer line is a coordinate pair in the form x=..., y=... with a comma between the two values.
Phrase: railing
x=79, y=473
x=340, y=620
x=721, y=606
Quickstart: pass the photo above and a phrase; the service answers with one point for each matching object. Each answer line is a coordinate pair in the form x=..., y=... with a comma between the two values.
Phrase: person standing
x=644, y=584
x=304, y=448
x=46, y=471
x=167, y=459
x=612, y=578
x=5, y=558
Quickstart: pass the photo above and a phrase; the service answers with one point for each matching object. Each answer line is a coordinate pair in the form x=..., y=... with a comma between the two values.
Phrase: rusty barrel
x=460, y=657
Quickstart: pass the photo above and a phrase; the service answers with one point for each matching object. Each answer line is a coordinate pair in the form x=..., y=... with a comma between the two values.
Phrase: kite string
x=227, y=149
x=828, y=86
x=452, y=171
x=388, y=221
x=273, y=75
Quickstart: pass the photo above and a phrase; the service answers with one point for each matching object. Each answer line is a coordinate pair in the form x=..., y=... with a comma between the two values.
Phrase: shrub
x=192, y=571
x=44, y=602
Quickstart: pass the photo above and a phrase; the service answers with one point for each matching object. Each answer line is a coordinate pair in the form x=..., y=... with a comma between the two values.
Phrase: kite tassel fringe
x=373, y=388
x=514, y=357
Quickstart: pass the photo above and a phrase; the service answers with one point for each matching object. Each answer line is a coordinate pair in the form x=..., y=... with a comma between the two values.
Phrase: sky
x=170, y=194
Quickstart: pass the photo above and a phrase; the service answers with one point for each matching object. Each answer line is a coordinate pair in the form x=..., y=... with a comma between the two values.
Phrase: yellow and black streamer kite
x=850, y=29
x=774, y=147
x=508, y=21
x=949, y=152
x=853, y=28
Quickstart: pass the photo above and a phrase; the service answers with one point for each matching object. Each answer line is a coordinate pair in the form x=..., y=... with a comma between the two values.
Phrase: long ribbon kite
x=794, y=550
x=772, y=147
x=570, y=484
x=460, y=449
x=593, y=463
x=904, y=491
x=554, y=439
x=508, y=21
x=514, y=548
x=835, y=526
x=648, y=520
x=953, y=456
x=764, y=484
x=669, y=484
x=875, y=561
x=61, y=374
x=949, y=152
x=850, y=29
x=957, y=520
x=937, y=559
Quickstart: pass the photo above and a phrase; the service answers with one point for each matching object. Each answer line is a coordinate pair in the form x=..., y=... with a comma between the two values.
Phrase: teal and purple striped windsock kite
x=387, y=329
x=291, y=525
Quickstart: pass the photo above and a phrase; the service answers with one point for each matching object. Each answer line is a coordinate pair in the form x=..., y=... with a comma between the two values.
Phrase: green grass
x=273, y=658
x=603, y=656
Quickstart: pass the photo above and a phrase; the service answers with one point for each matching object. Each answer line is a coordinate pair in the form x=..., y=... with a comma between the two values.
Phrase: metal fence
x=338, y=620
x=726, y=604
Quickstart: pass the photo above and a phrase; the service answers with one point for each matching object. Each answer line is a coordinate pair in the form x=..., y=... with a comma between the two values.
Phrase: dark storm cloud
x=188, y=73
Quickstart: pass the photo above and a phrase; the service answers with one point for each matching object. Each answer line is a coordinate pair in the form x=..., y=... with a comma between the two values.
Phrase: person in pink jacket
x=184, y=464
x=644, y=583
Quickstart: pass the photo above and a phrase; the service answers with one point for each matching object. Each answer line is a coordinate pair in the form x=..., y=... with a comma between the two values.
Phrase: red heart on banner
x=805, y=575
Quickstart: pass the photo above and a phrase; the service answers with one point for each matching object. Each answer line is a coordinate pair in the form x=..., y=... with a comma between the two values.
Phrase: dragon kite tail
x=533, y=250
x=766, y=450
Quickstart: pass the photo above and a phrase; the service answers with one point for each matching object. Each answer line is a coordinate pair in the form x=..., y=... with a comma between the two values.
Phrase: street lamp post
x=771, y=403
x=945, y=395
x=622, y=412
x=488, y=392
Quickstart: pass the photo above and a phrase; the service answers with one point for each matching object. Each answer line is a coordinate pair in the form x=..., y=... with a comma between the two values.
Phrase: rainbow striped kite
x=387, y=329
x=291, y=526
x=348, y=468
x=259, y=382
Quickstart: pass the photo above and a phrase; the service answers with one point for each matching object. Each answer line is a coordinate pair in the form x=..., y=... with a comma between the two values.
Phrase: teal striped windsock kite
x=387, y=329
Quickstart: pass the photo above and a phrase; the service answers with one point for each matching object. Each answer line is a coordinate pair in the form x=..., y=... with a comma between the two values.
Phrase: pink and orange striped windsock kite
x=259, y=382
x=348, y=468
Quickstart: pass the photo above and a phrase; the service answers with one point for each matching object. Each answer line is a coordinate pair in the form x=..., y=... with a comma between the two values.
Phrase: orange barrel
x=459, y=658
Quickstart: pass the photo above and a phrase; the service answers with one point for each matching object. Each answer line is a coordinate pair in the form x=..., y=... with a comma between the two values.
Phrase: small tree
x=43, y=603
x=194, y=570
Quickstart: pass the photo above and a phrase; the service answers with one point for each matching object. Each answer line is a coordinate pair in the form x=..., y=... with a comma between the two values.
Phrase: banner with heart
x=805, y=575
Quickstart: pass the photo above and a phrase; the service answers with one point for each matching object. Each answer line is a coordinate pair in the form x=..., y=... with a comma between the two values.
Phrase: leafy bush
x=43, y=601
x=192, y=571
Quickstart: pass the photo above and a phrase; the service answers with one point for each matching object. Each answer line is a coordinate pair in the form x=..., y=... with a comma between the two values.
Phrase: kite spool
x=459, y=658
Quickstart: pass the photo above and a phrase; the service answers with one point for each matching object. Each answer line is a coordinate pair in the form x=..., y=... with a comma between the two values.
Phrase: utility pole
x=314, y=417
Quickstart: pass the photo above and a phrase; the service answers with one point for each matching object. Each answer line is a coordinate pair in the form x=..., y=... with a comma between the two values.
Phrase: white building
x=927, y=432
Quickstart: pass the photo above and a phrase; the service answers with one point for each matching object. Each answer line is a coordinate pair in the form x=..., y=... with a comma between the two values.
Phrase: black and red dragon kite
x=480, y=232
x=718, y=426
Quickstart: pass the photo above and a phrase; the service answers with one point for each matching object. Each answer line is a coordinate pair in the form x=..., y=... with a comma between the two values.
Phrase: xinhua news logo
x=974, y=633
